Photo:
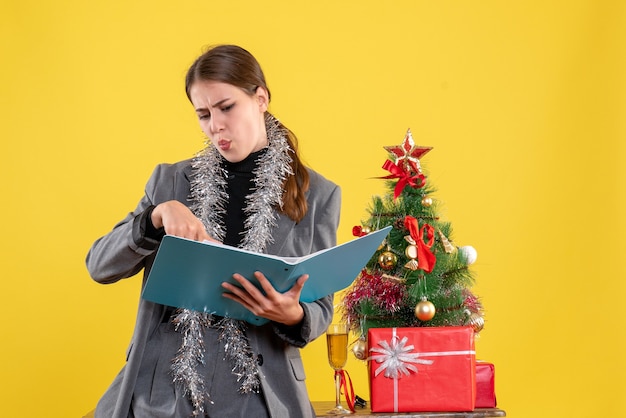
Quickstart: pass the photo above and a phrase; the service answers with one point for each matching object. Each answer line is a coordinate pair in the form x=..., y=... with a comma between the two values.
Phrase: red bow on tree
x=404, y=178
x=425, y=258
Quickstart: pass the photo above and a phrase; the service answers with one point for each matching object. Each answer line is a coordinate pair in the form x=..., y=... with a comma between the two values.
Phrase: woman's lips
x=223, y=144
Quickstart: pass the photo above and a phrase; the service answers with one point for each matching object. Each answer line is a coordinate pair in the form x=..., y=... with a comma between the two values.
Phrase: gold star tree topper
x=408, y=154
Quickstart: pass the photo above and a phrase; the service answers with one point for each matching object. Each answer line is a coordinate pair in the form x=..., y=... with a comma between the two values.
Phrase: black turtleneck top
x=240, y=183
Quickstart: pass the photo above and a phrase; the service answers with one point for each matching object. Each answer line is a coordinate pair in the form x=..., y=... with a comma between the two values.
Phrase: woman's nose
x=217, y=124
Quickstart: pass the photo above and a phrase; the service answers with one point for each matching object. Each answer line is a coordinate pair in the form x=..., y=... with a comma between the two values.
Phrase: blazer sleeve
x=117, y=255
x=318, y=314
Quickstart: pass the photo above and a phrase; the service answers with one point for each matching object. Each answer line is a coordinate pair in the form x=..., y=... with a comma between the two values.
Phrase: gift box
x=422, y=369
x=485, y=385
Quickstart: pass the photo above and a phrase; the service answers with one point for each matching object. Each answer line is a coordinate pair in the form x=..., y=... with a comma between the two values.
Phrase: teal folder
x=189, y=274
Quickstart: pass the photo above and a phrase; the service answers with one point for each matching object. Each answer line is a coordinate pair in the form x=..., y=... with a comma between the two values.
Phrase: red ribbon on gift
x=344, y=380
x=425, y=258
x=404, y=178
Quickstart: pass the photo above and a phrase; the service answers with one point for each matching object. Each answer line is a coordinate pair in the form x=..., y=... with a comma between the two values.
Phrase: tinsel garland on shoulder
x=208, y=192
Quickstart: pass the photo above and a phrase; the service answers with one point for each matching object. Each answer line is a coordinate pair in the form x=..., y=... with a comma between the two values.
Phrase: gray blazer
x=115, y=256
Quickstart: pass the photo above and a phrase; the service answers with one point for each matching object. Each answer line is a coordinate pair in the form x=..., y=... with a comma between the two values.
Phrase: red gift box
x=422, y=369
x=485, y=385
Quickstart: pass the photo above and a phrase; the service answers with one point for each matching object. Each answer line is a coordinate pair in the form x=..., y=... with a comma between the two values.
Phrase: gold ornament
x=425, y=310
x=387, y=260
x=412, y=265
x=476, y=321
x=366, y=230
x=447, y=245
x=359, y=349
x=394, y=279
x=411, y=253
x=427, y=201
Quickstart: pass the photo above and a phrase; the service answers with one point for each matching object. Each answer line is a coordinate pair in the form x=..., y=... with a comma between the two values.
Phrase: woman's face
x=233, y=120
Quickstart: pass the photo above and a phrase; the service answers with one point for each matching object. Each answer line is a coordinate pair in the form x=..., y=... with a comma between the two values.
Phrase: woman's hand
x=178, y=220
x=273, y=305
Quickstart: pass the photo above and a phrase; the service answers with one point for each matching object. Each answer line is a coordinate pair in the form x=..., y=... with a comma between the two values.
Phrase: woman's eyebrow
x=218, y=104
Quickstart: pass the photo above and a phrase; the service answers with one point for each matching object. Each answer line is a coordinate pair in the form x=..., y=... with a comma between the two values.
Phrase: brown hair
x=234, y=65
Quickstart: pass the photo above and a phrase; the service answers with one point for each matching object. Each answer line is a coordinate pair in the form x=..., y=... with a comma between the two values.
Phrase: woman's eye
x=204, y=116
x=227, y=108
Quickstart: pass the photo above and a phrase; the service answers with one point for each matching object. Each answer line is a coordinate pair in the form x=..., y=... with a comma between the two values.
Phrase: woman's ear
x=263, y=98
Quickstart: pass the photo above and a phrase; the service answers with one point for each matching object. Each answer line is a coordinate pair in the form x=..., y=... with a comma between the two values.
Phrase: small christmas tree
x=418, y=277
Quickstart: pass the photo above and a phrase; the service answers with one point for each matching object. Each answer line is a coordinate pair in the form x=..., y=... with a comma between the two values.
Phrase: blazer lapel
x=182, y=185
x=281, y=232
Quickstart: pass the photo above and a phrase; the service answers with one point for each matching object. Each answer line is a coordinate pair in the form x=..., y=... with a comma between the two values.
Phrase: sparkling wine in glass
x=337, y=344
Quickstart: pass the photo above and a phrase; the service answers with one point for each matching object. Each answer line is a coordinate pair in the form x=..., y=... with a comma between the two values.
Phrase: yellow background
x=523, y=102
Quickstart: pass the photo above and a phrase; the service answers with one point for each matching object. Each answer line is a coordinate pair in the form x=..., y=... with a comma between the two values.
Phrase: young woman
x=249, y=189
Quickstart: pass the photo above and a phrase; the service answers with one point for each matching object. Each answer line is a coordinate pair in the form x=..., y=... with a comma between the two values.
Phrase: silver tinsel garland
x=208, y=192
x=191, y=324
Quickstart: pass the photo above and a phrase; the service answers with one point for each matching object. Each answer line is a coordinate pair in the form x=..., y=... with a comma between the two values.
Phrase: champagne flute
x=337, y=344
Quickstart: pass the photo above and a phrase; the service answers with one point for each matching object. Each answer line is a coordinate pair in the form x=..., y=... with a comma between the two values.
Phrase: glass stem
x=337, y=389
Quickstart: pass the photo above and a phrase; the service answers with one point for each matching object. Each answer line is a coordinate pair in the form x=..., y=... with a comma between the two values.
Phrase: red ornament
x=358, y=231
